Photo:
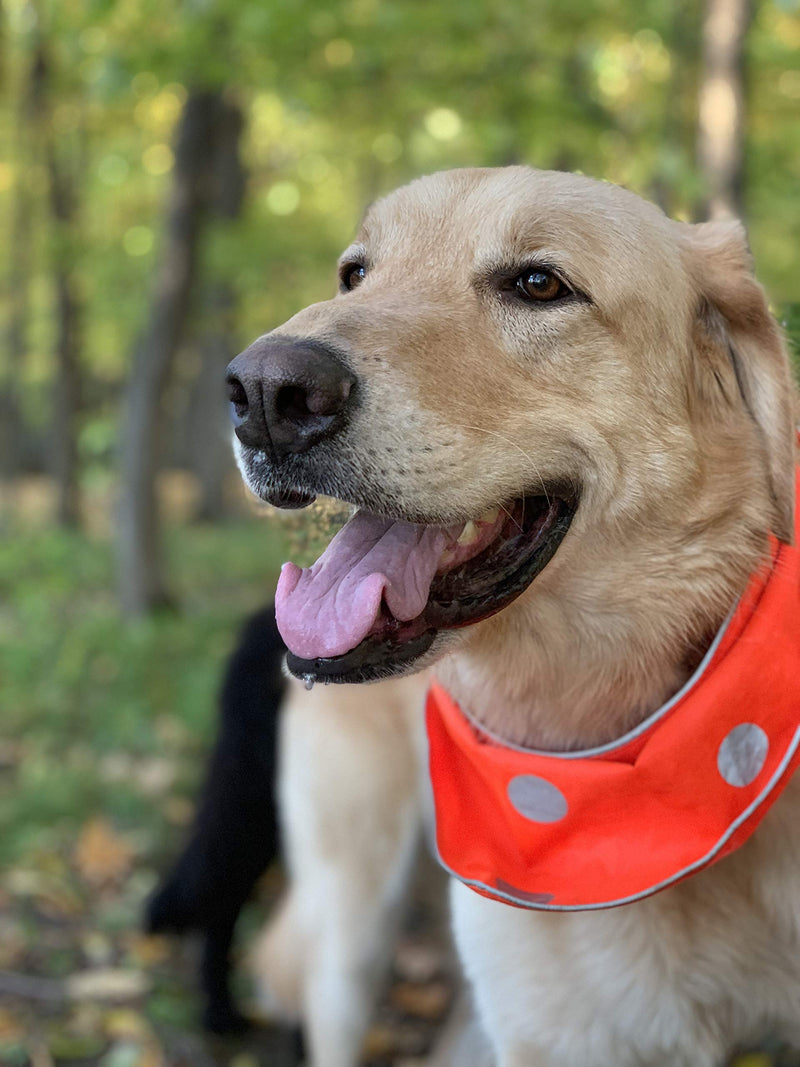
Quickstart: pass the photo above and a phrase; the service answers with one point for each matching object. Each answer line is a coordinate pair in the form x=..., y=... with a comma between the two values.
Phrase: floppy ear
x=719, y=264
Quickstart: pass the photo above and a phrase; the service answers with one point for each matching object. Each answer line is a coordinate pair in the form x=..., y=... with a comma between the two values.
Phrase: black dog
x=234, y=837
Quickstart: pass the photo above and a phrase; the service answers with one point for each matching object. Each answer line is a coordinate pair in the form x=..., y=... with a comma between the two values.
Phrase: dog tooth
x=469, y=534
x=490, y=516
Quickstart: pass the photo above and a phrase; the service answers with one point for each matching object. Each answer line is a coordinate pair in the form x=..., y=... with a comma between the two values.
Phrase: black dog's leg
x=220, y=1015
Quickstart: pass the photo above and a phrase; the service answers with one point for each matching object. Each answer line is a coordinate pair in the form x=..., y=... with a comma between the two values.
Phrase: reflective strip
x=637, y=731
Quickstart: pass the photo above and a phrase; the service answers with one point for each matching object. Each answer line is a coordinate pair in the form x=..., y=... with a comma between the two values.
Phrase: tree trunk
x=12, y=426
x=141, y=574
x=66, y=399
x=209, y=428
x=210, y=433
x=720, y=132
x=66, y=388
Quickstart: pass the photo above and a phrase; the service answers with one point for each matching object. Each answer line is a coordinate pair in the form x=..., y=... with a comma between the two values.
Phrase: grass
x=81, y=687
x=104, y=730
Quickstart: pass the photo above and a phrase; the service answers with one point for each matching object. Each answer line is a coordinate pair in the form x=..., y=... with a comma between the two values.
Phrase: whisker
x=520, y=528
x=494, y=433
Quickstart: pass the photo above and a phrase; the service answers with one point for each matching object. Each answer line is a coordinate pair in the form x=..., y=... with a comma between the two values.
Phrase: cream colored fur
x=667, y=397
x=351, y=819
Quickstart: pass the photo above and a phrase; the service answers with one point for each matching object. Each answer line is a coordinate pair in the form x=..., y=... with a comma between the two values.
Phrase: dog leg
x=351, y=816
x=462, y=1041
x=277, y=962
x=347, y=966
x=220, y=1015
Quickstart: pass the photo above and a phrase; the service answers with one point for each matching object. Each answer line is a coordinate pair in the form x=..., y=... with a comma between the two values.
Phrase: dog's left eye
x=540, y=286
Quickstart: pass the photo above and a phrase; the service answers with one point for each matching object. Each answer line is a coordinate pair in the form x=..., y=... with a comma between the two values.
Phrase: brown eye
x=540, y=285
x=352, y=275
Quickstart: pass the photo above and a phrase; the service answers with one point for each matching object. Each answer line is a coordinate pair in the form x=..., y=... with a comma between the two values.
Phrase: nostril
x=299, y=403
x=237, y=396
x=291, y=402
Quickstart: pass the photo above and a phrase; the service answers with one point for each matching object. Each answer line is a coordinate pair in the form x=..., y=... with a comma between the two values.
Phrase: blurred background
x=177, y=177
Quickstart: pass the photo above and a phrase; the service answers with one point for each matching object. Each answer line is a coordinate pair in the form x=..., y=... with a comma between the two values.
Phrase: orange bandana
x=572, y=831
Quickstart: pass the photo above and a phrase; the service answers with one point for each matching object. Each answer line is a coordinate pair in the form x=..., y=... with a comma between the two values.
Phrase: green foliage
x=347, y=98
x=88, y=697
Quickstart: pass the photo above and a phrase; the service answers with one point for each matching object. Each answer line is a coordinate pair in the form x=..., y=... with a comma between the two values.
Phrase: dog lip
x=395, y=647
x=367, y=662
x=288, y=499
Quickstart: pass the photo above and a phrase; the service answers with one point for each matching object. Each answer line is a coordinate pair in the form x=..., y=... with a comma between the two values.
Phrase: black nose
x=287, y=395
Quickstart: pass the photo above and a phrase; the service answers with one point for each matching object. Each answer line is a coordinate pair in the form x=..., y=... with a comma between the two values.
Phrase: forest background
x=176, y=177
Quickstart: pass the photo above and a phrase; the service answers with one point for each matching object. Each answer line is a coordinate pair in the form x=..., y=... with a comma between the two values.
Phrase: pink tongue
x=329, y=608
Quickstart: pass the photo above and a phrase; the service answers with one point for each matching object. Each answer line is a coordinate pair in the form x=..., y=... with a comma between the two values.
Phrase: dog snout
x=287, y=395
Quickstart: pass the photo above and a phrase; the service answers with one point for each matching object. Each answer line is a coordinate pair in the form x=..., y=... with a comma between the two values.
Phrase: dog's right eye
x=351, y=275
x=540, y=286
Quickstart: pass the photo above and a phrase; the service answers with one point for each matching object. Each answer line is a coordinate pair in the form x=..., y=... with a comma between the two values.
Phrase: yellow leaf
x=147, y=949
x=11, y=1028
x=123, y=1023
x=424, y=1001
x=107, y=983
x=102, y=856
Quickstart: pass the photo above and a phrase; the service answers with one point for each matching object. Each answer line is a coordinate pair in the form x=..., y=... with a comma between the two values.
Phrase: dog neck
x=592, y=650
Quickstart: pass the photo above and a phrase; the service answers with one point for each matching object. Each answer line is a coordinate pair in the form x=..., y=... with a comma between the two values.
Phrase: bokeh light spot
x=338, y=52
x=6, y=176
x=283, y=198
x=157, y=159
x=443, y=124
x=166, y=106
x=138, y=240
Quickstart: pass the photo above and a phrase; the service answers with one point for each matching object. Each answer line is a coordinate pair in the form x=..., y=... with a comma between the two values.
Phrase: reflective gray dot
x=537, y=799
x=742, y=754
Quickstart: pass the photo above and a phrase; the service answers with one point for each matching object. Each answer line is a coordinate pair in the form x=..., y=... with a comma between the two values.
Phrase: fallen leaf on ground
x=147, y=949
x=53, y=896
x=64, y=1044
x=101, y=855
x=380, y=1042
x=131, y=1054
x=126, y=1024
x=11, y=1029
x=97, y=948
x=418, y=961
x=155, y=775
x=243, y=1059
x=385, y=1040
x=425, y=1001
x=107, y=983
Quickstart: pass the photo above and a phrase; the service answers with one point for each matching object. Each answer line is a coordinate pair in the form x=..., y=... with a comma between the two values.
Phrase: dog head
x=525, y=377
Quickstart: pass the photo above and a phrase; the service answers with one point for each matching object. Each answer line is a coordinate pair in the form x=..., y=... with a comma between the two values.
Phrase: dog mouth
x=377, y=598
